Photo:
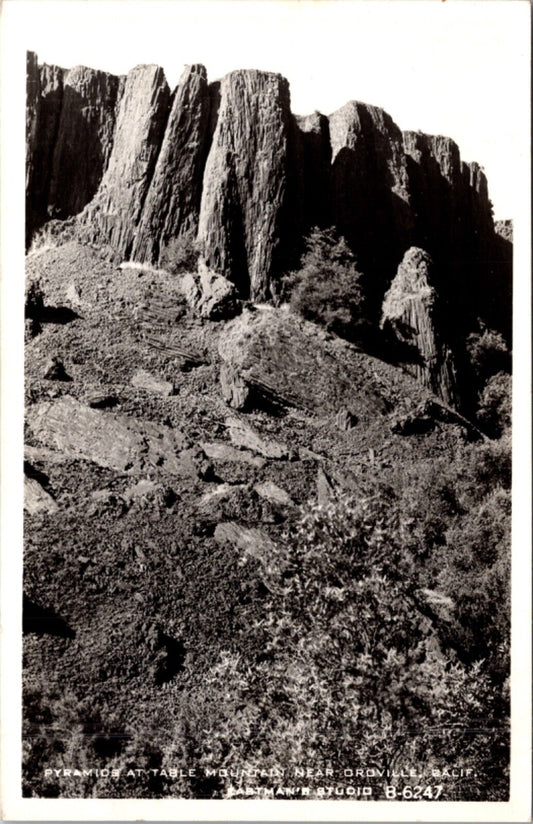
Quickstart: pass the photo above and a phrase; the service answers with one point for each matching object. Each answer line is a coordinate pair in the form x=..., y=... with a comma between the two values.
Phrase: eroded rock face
x=44, y=100
x=371, y=201
x=410, y=310
x=313, y=168
x=116, y=210
x=172, y=204
x=33, y=90
x=84, y=140
x=245, y=181
x=453, y=221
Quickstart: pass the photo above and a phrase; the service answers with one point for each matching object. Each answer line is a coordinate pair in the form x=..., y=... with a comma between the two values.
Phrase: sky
x=458, y=68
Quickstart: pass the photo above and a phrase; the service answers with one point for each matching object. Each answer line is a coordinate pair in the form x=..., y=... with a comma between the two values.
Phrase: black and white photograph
x=272, y=544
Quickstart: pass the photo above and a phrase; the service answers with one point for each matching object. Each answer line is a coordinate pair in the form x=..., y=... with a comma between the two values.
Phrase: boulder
x=345, y=419
x=36, y=499
x=147, y=491
x=111, y=440
x=291, y=362
x=326, y=488
x=210, y=295
x=252, y=543
x=234, y=389
x=144, y=380
x=101, y=400
x=54, y=370
x=219, y=451
x=73, y=295
x=274, y=494
x=246, y=437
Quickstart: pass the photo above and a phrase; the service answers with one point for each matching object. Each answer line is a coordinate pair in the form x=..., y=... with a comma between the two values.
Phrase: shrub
x=327, y=287
x=495, y=403
x=53, y=234
x=351, y=671
x=179, y=255
x=462, y=539
x=488, y=353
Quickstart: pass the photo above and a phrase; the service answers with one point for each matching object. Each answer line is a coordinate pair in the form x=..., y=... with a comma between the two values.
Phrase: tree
x=327, y=287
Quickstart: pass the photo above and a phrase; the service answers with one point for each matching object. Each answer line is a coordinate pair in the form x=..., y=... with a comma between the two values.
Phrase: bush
x=351, y=671
x=327, y=287
x=180, y=255
x=462, y=539
x=495, y=403
x=488, y=353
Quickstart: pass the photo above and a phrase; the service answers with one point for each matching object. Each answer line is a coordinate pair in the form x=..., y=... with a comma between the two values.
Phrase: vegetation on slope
x=370, y=631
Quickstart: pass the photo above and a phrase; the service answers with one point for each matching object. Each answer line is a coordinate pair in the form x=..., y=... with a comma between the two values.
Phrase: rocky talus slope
x=166, y=454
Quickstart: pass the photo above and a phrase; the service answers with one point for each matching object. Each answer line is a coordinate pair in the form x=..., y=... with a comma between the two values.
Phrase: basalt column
x=84, y=139
x=115, y=212
x=370, y=200
x=172, y=204
x=241, y=228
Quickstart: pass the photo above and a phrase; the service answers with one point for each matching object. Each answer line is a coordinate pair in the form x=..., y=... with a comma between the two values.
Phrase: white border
x=12, y=262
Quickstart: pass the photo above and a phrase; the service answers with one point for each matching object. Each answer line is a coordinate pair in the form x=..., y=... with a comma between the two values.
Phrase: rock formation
x=410, y=309
x=245, y=181
x=84, y=139
x=173, y=201
x=370, y=197
x=226, y=170
x=115, y=212
x=44, y=98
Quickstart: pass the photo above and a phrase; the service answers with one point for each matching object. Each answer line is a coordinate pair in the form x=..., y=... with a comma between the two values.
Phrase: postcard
x=266, y=440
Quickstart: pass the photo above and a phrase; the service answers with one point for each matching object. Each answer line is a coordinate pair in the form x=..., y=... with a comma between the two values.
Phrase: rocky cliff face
x=44, y=98
x=245, y=181
x=173, y=201
x=227, y=165
x=115, y=212
x=84, y=139
x=370, y=197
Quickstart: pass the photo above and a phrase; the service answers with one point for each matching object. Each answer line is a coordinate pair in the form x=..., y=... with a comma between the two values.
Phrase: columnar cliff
x=245, y=181
x=228, y=166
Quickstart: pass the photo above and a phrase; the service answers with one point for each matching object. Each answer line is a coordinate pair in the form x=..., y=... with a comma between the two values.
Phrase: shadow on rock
x=43, y=621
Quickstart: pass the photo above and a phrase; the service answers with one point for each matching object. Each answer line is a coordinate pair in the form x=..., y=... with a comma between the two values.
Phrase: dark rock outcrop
x=370, y=196
x=312, y=151
x=44, y=99
x=172, y=204
x=33, y=93
x=115, y=212
x=84, y=139
x=245, y=181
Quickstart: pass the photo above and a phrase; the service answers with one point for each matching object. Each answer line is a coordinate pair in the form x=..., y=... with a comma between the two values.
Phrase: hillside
x=267, y=466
